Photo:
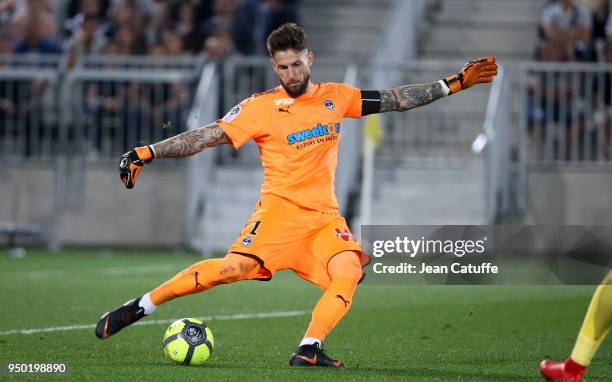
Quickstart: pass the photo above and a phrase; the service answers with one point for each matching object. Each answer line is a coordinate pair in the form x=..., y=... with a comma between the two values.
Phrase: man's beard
x=301, y=90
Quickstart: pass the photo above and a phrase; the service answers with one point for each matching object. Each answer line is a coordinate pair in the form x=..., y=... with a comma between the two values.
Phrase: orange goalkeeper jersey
x=297, y=138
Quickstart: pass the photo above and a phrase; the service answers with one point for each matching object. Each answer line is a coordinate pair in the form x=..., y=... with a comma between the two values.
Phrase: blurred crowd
x=575, y=30
x=570, y=110
x=118, y=114
x=218, y=28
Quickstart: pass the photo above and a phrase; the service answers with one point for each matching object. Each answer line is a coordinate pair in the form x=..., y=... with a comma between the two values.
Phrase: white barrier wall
x=569, y=197
x=153, y=213
x=150, y=215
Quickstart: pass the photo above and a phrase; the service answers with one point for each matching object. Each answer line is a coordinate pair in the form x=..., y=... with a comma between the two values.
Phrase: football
x=189, y=342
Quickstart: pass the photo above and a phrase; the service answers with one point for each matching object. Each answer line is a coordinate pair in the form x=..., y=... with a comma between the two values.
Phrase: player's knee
x=346, y=265
x=236, y=268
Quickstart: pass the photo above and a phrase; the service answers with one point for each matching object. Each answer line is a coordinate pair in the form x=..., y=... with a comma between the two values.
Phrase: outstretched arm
x=191, y=142
x=182, y=145
x=408, y=97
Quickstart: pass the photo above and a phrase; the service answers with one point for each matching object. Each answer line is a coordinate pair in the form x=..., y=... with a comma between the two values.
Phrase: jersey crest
x=329, y=104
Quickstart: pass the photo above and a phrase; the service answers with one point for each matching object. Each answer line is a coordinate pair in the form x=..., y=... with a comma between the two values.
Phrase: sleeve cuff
x=229, y=131
x=445, y=89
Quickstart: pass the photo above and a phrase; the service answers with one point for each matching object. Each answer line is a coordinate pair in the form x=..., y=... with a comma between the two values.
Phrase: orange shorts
x=281, y=235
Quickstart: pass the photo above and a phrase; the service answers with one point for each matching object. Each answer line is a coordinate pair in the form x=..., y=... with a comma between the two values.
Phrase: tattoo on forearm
x=191, y=142
x=408, y=97
x=388, y=101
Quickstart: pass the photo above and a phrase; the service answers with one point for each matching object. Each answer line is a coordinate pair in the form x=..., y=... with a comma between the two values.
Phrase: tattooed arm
x=408, y=97
x=182, y=145
x=191, y=142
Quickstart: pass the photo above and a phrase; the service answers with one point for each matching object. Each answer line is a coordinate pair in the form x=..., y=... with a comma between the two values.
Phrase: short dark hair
x=287, y=36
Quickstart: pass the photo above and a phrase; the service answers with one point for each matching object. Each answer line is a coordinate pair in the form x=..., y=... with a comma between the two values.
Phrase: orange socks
x=345, y=271
x=197, y=278
x=331, y=307
x=205, y=275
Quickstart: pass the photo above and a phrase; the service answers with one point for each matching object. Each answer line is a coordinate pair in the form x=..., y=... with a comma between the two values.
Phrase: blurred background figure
x=608, y=35
x=7, y=9
x=6, y=43
x=218, y=45
x=167, y=102
x=28, y=10
x=125, y=41
x=600, y=11
x=568, y=23
x=87, y=31
x=172, y=43
x=218, y=40
x=186, y=26
x=255, y=19
x=34, y=29
x=127, y=25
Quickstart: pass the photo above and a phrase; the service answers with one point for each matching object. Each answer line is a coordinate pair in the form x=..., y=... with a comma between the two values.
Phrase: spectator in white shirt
x=568, y=23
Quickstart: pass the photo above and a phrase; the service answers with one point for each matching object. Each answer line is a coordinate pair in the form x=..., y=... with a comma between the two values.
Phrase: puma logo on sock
x=197, y=284
x=346, y=302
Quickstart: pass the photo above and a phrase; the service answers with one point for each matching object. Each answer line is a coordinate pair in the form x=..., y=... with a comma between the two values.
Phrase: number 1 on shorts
x=254, y=230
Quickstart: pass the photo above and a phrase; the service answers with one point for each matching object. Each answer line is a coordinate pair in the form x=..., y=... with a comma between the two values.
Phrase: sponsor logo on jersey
x=247, y=240
x=329, y=104
x=343, y=234
x=284, y=101
x=232, y=114
x=320, y=131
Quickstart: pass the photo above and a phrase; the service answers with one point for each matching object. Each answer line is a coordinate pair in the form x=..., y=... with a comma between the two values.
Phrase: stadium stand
x=426, y=151
x=345, y=28
x=467, y=28
x=88, y=97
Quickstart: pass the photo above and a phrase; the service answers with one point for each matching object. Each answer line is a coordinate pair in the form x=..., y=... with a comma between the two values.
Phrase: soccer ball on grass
x=188, y=341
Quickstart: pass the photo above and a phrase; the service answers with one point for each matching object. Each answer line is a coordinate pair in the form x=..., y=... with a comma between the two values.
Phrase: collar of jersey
x=309, y=94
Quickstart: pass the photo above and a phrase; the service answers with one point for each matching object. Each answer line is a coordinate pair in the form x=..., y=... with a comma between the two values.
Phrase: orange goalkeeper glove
x=480, y=71
x=131, y=164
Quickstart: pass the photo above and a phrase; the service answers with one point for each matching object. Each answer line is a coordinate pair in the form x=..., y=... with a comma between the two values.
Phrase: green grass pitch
x=416, y=333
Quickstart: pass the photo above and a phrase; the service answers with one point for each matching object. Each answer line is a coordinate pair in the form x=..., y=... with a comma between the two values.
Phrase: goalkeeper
x=296, y=224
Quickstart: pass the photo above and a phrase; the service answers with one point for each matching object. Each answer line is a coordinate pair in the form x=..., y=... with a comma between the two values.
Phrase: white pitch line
x=229, y=317
x=143, y=269
x=111, y=271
